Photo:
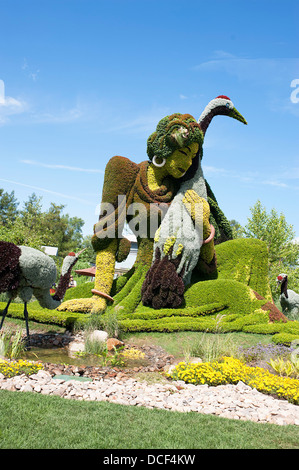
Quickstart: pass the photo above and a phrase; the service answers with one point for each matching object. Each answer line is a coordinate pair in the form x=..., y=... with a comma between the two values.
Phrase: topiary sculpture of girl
x=141, y=194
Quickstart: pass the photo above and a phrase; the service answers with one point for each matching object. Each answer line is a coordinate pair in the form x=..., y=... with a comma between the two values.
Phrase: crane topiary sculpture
x=25, y=271
x=289, y=299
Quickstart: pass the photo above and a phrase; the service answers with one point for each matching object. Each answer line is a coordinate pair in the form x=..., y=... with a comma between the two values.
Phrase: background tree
x=34, y=227
x=86, y=260
x=8, y=207
x=20, y=234
x=238, y=230
x=61, y=230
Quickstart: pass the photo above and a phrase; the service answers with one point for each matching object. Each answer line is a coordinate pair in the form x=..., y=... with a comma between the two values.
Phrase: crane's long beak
x=79, y=253
x=236, y=115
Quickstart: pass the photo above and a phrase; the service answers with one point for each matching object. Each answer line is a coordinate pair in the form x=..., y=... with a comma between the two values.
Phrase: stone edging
x=239, y=401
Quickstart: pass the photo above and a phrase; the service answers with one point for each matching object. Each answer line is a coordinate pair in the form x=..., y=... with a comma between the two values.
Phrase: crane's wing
x=37, y=269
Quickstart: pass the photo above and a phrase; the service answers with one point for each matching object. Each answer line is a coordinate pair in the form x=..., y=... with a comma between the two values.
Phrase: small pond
x=61, y=356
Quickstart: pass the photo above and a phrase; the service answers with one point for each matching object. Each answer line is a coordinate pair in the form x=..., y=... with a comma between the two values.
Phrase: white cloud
x=9, y=106
x=61, y=167
x=45, y=190
x=62, y=116
x=214, y=171
x=219, y=54
x=275, y=183
x=257, y=69
x=247, y=177
x=146, y=123
x=33, y=74
x=292, y=173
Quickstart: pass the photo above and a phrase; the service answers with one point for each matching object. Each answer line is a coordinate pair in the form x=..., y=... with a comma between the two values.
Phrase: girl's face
x=180, y=160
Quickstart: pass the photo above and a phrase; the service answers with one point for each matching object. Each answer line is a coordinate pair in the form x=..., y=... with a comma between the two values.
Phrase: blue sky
x=88, y=79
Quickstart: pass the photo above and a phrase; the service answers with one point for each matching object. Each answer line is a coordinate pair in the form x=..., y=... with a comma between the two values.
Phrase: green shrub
x=42, y=315
x=80, y=292
x=245, y=260
x=270, y=328
x=230, y=293
x=284, y=338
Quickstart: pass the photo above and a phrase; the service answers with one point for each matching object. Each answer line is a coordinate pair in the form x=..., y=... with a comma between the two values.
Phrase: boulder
x=98, y=335
x=75, y=347
x=113, y=343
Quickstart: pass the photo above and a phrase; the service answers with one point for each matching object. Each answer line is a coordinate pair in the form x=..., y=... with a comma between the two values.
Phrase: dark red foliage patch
x=163, y=287
x=274, y=313
x=9, y=266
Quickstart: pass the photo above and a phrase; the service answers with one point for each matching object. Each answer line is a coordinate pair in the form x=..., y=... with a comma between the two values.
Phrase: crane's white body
x=35, y=275
x=38, y=269
x=289, y=299
x=178, y=223
x=38, y=274
x=290, y=305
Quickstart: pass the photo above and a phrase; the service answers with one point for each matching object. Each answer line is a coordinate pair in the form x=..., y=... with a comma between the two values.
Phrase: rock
x=75, y=346
x=169, y=368
x=98, y=335
x=26, y=388
x=114, y=343
x=195, y=360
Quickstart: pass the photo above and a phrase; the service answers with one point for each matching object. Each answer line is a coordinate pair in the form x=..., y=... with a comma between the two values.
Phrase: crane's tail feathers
x=9, y=266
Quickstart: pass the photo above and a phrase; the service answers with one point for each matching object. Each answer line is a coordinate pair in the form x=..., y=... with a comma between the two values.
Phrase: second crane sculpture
x=25, y=271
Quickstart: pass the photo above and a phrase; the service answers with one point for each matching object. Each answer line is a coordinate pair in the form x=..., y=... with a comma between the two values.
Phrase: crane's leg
x=5, y=312
x=27, y=327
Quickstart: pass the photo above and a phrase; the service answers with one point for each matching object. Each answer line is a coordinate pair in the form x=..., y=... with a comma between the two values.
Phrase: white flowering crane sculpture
x=289, y=299
x=25, y=271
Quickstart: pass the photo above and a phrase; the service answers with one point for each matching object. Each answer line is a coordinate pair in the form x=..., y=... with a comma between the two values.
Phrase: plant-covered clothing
x=126, y=183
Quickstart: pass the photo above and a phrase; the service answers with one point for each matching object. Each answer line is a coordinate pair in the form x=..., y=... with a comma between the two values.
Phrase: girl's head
x=176, y=141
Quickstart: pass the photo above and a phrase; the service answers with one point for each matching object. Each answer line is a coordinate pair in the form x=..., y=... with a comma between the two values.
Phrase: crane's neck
x=284, y=287
x=62, y=285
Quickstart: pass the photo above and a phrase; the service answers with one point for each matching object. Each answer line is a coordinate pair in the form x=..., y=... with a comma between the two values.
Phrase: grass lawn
x=195, y=343
x=13, y=324
x=31, y=421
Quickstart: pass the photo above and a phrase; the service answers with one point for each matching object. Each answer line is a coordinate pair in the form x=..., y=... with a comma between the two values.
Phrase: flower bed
x=230, y=370
x=12, y=368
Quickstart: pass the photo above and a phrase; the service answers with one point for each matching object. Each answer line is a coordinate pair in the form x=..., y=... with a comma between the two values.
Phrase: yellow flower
x=232, y=370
